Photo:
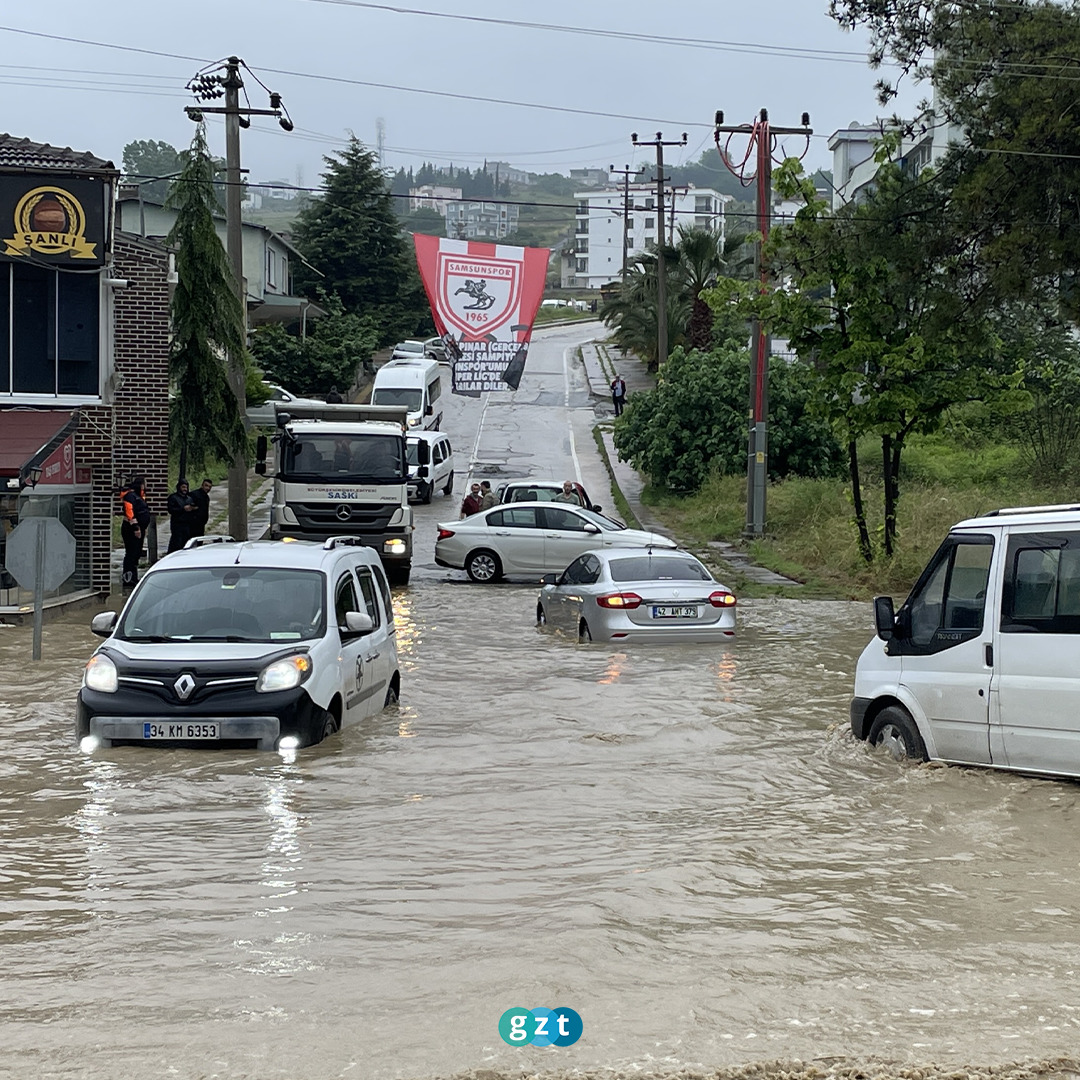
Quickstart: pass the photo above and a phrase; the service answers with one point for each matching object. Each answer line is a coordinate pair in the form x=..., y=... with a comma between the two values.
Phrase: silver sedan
x=622, y=595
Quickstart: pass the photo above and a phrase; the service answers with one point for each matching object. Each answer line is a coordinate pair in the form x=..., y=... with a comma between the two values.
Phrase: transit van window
x=1042, y=584
x=951, y=594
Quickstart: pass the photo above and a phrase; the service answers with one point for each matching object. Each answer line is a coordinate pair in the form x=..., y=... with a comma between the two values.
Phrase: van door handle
x=373, y=656
x=989, y=655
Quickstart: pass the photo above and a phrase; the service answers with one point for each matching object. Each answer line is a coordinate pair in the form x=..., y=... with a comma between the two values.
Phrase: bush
x=694, y=422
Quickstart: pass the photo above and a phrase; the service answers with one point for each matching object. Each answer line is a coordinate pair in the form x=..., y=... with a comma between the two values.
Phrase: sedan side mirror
x=359, y=622
x=884, y=618
x=103, y=624
x=596, y=508
x=549, y=579
x=591, y=528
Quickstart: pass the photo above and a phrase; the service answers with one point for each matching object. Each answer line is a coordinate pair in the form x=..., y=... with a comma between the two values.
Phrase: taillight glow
x=445, y=534
x=722, y=598
x=620, y=600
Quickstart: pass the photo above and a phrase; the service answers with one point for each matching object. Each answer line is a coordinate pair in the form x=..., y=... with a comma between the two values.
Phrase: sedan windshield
x=657, y=568
x=226, y=603
x=605, y=523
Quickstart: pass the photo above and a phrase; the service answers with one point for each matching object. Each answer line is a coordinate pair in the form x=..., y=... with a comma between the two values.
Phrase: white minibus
x=980, y=664
x=416, y=384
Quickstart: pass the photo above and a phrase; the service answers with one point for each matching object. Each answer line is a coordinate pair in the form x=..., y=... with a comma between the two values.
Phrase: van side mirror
x=423, y=452
x=430, y=410
x=358, y=622
x=103, y=623
x=884, y=618
x=260, y=455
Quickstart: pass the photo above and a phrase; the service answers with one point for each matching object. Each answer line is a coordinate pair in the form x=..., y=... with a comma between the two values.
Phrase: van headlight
x=100, y=674
x=284, y=674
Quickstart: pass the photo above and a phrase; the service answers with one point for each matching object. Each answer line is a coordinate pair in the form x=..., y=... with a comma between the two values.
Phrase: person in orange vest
x=137, y=518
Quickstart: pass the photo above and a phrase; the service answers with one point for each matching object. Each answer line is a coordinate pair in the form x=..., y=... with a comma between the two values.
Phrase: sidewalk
x=601, y=363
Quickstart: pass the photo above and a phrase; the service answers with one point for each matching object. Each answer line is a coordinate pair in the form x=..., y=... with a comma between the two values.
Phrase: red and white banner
x=483, y=298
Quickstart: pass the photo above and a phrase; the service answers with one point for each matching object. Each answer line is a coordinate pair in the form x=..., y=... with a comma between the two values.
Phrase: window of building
x=650, y=223
x=629, y=224
x=583, y=207
x=581, y=265
x=582, y=245
x=703, y=204
x=582, y=226
x=49, y=329
x=703, y=222
x=271, y=268
x=649, y=204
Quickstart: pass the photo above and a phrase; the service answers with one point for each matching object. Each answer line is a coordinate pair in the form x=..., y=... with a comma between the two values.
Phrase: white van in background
x=979, y=665
x=438, y=473
x=414, y=384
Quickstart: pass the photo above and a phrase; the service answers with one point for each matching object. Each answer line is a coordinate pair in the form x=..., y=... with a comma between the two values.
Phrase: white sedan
x=532, y=538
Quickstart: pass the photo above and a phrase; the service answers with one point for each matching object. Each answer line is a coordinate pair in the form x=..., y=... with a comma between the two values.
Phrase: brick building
x=84, y=340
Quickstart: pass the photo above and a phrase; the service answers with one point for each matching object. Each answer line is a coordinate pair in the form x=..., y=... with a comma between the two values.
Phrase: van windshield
x=397, y=395
x=227, y=603
x=376, y=459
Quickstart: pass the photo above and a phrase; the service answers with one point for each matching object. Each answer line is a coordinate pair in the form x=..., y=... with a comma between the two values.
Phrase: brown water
x=685, y=845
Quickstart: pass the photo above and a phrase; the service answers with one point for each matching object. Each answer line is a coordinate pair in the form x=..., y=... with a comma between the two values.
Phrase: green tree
x=208, y=322
x=425, y=220
x=351, y=236
x=147, y=159
x=331, y=354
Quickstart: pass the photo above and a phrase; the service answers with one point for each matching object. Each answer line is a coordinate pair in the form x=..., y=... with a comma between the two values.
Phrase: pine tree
x=208, y=322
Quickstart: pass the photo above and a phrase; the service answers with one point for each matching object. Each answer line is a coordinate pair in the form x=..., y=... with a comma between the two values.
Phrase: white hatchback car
x=270, y=644
x=531, y=538
x=440, y=467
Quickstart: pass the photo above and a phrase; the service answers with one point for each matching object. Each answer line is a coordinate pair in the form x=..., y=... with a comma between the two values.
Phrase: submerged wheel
x=894, y=731
x=324, y=724
x=541, y=618
x=391, y=696
x=584, y=634
x=449, y=483
x=483, y=566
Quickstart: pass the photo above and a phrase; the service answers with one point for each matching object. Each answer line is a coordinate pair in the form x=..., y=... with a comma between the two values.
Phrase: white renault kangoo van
x=979, y=665
x=416, y=384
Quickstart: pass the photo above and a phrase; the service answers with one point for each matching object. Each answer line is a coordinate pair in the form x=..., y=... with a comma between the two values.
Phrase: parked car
x=265, y=415
x=541, y=491
x=618, y=594
x=268, y=644
x=440, y=469
x=435, y=349
x=409, y=350
x=978, y=666
x=530, y=538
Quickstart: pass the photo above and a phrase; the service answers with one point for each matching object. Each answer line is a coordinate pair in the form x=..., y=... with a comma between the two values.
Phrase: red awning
x=24, y=433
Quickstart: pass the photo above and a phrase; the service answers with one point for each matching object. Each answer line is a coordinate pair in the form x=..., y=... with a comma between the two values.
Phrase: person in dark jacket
x=333, y=398
x=137, y=518
x=201, y=518
x=182, y=510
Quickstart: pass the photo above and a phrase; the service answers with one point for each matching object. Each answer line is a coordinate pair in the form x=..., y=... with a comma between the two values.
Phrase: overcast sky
x=324, y=57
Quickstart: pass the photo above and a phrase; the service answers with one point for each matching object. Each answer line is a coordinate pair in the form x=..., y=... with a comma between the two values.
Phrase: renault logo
x=344, y=512
x=184, y=686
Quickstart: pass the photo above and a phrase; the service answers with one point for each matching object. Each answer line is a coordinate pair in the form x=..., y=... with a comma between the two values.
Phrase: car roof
x=427, y=436
x=1065, y=514
x=291, y=554
x=538, y=483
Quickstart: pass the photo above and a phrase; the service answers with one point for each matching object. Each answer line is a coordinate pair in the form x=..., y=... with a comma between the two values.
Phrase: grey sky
x=97, y=99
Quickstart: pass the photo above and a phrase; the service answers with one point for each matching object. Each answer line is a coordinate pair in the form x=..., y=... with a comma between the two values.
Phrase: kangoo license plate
x=186, y=730
x=675, y=611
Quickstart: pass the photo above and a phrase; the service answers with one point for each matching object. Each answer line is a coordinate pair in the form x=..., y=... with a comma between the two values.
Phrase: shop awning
x=29, y=436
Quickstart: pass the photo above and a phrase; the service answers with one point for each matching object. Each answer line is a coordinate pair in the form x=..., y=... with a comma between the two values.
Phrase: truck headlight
x=394, y=547
x=100, y=674
x=284, y=674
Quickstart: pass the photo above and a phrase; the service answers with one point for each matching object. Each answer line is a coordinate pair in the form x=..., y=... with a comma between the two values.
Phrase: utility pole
x=625, y=172
x=208, y=86
x=661, y=269
x=675, y=191
x=762, y=135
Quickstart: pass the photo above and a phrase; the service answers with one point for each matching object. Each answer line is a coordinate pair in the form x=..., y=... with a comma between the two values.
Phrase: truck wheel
x=425, y=495
x=398, y=574
x=895, y=732
x=449, y=483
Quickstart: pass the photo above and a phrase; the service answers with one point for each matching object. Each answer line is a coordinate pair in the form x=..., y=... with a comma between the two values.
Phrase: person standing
x=471, y=503
x=618, y=394
x=181, y=515
x=487, y=496
x=137, y=518
x=201, y=518
x=568, y=494
x=333, y=398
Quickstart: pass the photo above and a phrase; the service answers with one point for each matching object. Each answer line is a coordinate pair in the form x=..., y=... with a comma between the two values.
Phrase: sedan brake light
x=445, y=534
x=722, y=598
x=619, y=600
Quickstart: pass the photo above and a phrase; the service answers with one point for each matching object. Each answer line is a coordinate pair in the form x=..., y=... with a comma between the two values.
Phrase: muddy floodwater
x=684, y=845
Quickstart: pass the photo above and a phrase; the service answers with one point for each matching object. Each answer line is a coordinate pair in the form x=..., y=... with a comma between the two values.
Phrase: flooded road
x=684, y=845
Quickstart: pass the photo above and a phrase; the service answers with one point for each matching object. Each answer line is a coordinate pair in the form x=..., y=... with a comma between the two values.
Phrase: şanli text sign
x=484, y=296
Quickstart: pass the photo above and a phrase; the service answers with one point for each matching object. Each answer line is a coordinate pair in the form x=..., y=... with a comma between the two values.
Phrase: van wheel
x=483, y=566
x=895, y=732
x=425, y=495
x=324, y=725
x=391, y=696
x=449, y=483
x=584, y=634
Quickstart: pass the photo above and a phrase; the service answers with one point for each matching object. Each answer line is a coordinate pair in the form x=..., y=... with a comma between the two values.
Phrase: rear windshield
x=656, y=568
x=397, y=395
x=227, y=603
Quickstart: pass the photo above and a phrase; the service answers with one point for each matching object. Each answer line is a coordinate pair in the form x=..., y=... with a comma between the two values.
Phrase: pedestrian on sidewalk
x=471, y=503
x=333, y=398
x=201, y=518
x=487, y=496
x=182, y=509
x=137, y=518
x=618, y=394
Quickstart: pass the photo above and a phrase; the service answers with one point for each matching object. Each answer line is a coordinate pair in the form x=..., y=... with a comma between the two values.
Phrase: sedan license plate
x=187, y=730
x=675, y=611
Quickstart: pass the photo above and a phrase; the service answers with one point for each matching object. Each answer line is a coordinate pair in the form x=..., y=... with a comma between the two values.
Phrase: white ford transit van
x=981, y=664
x=416, y=384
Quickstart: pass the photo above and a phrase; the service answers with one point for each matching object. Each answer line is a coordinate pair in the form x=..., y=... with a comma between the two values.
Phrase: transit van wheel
x=894, y=731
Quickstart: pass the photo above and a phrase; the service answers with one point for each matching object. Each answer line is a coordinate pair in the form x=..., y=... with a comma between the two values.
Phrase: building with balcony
x=433, y=197
x=480, y=220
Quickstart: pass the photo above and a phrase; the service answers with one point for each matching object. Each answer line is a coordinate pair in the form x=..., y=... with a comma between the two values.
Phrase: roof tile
x=24, y=154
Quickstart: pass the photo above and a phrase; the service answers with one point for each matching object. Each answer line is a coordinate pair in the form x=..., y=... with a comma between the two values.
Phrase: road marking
x=566, y=405
x=476, y=443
